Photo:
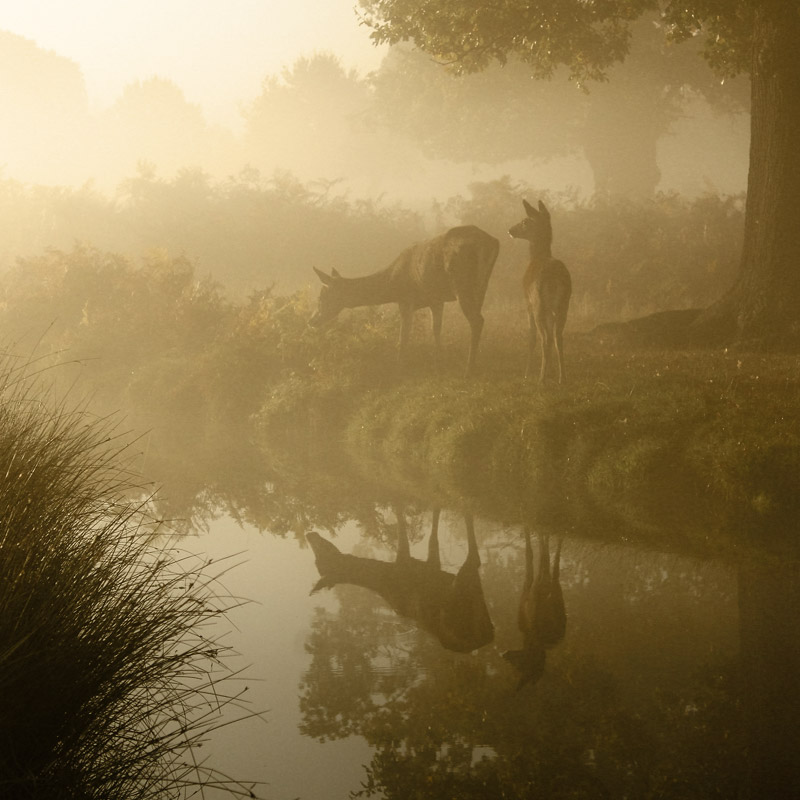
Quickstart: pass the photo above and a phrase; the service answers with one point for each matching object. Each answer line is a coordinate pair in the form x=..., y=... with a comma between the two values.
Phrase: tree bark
x=763, y=307
x=620, y=138
x=769, y=603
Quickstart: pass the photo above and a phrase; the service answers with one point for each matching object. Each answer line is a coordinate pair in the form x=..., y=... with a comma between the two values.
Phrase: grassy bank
x=108, y=678
x=642, y=439
x=648, y=444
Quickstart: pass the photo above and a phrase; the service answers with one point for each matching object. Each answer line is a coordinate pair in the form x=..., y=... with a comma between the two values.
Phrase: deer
x=547, y=286
x=449, y=606
x=456, y=265
x=541, y=617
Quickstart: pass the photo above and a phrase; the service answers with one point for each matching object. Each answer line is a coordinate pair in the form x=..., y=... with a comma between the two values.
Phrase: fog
x=406, y=131
x=170, y=175
x=341, y=157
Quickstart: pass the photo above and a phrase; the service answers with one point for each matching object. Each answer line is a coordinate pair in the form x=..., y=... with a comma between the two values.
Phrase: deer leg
x=474, y=317
x=557, y=561
x=433, y=542
x=544, y=335
x=528, y=562
x=559, y=356
x=406, y=316
x=436, y=319
x=403, y=547
x=473, y=557
x=544, y=556
x=531, y=345
x=464, y=614
x=476, y=324
x=559, y=343
x=556, y=617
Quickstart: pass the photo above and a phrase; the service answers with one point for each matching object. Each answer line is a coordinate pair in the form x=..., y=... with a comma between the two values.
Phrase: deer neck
x=370, y=290
x=378, y=576
x=541, y=251
x=396, y=582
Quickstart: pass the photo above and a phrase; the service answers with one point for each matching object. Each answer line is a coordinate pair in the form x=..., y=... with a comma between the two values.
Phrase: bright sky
x=217, y=51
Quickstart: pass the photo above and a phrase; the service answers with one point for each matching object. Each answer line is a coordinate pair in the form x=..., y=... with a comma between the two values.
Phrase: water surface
x=675, y=676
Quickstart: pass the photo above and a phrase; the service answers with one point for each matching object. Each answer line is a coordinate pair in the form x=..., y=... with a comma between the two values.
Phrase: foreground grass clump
x=108, y=681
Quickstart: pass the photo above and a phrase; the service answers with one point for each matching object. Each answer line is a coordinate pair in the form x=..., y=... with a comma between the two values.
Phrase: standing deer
x=547, y=288
x=541, y=617
x=451, y=607
x=454, y=266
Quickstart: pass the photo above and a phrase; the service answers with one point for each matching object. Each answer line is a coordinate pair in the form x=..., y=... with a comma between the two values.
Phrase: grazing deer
x=542, y=618
x=547, y=287
x=454, y=266
x=451, y=607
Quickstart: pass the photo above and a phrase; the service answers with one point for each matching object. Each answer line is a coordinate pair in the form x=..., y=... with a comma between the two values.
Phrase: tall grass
x=109, y=677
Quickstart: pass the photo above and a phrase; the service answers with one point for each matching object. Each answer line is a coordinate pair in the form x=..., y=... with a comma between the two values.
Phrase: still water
x=629, y=673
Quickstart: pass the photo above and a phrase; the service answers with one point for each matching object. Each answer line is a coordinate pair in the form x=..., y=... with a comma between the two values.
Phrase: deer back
x=418, y=275
x=547, y=285
x=450, y=607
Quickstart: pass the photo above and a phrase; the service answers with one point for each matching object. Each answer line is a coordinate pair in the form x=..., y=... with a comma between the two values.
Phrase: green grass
x=643, y=443
x=108, y=676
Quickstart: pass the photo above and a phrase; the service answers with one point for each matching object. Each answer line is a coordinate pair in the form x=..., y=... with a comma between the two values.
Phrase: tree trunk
x=769, y=604
x=620, y=137
x=763, y=307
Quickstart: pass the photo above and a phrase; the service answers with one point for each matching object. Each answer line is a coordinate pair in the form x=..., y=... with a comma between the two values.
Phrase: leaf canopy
x=587, y=36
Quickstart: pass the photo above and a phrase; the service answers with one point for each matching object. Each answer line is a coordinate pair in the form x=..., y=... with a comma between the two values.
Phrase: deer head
x=331, y=298
x=535, y=227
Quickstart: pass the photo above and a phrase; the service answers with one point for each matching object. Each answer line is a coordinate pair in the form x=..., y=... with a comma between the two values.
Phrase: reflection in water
x=769, y=610
x=541, y=617
x=678, y=678
x=451, y=607
x=641, y=700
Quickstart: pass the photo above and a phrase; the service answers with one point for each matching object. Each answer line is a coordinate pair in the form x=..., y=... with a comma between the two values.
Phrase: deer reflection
x=541, y=617
x=451, y=607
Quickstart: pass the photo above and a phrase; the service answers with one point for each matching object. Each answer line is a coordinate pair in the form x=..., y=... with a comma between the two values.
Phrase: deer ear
x=326, y=279
x=543, y=209
x=335, y=273
x=529, y=209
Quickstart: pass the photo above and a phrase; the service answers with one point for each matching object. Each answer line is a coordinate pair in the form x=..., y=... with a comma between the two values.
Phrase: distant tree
x=628, y=114
x=759, y=36
x=152, y=121
x=313, y=120
x=305, y=117
x=45, y=112
x=499, y=113
x=495, y=115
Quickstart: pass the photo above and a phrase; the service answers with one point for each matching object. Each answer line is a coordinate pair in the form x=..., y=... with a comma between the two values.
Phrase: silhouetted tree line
x=250, y=233
x=411, y=128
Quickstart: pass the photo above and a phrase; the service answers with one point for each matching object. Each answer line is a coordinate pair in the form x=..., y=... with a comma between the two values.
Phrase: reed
x=110, y=676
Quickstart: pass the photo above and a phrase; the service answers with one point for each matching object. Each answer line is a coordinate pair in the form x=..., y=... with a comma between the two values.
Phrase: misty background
x=408, y=128
x=129, y=208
